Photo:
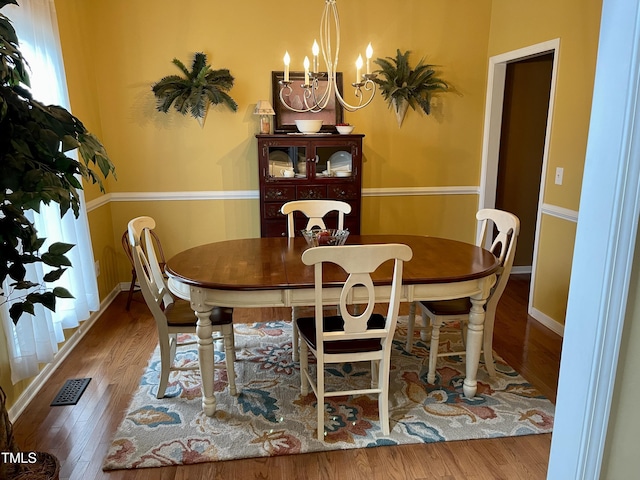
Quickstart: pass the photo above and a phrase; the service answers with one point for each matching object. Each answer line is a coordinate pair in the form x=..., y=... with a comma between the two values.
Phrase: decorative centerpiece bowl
x=345, y=129
x=319, y=237
x=309, y=126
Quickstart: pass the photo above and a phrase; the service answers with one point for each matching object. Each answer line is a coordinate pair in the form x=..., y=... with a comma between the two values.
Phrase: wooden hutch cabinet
x=307, y=167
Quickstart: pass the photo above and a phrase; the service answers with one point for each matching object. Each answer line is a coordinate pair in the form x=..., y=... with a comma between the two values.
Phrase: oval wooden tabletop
x=266, y=263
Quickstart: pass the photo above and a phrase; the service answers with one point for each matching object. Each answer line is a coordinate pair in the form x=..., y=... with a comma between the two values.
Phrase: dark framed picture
x=284, y=119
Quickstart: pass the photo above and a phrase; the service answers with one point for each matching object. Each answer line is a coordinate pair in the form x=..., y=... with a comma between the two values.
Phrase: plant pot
x=45, y=467
x=7, y=441
x=400, y=107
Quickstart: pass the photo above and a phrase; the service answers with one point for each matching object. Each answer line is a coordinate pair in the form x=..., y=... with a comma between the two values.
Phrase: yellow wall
x=408, y=215
x=552, y=291
x=132, y=47
x=115, y=49
x=516, y=24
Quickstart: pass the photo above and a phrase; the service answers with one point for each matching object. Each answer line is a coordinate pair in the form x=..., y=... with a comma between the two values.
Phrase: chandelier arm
x=312, y=92
x=336, y=23
x=289, y=90
x=368, y=85
x=325, y=38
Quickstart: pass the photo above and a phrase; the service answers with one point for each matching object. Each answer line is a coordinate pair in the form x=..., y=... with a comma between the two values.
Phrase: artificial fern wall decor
x=196, y=91
x=403, y=86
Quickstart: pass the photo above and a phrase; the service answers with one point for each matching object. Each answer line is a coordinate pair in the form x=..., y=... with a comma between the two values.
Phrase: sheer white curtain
x=35, y=339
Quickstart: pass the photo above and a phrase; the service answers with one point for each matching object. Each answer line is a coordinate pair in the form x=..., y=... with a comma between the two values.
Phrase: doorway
x=522, y=139
x=542, y=56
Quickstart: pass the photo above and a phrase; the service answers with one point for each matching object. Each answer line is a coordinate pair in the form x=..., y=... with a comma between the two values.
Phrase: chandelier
x=317, y=97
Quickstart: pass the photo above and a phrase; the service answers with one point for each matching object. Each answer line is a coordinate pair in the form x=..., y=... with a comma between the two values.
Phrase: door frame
x=491, y=146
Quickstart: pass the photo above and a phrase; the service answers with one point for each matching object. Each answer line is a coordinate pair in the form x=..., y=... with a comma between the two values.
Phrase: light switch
x=559, y=174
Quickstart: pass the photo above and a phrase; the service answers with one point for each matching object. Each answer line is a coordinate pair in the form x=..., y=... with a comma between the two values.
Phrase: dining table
x=269, y=272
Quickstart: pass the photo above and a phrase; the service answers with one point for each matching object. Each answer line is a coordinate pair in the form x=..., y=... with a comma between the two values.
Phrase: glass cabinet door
x=286, y=162
x=333, y=161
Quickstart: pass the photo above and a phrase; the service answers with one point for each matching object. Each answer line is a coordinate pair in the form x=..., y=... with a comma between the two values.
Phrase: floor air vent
x=71, y=392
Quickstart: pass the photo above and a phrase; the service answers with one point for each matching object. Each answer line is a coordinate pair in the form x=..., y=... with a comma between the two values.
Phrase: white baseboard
x=39, y=380
x=521, y=269
x=547, y=321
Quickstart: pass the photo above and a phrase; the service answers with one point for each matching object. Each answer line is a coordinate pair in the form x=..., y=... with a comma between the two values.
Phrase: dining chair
x=173, y=316
x=345, y=338
x=315, y=211
x=492, y=222
x=127, y=250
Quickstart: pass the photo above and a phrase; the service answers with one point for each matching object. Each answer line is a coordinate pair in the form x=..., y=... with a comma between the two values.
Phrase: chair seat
x=459, y=306
x=335, y=323
x=180, y=313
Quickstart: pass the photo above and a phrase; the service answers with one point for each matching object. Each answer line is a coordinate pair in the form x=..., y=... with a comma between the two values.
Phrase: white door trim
x=491, y=137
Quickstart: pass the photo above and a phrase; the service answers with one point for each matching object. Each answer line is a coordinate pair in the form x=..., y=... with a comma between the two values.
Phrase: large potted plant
x=196, y=90
x=403, y=86
x=36, y=168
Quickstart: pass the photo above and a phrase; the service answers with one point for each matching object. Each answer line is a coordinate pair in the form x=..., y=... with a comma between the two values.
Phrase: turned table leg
x=474, y=337
x=204, y=331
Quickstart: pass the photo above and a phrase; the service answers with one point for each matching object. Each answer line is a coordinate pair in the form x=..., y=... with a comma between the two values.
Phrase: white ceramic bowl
x=309, y=126
x=344, y=129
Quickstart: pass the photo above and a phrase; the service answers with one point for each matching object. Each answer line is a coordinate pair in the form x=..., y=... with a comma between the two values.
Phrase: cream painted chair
x=315, y=211
x=347, y=337
x=507, y=228
x=127, y=249
x=173, y=316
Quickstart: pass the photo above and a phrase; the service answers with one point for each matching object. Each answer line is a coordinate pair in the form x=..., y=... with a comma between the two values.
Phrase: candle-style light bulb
x=306, y=70
x=287, y=60
x=369, y=54
x=315, y=50
x=358, y=68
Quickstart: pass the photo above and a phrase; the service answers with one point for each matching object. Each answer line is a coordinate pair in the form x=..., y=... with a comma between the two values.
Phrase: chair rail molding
x=255, y=194
x=98, y=202
x=420, y=191
x=560, y=212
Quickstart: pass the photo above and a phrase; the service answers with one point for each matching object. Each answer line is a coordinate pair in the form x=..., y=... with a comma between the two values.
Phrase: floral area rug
x=270, y=417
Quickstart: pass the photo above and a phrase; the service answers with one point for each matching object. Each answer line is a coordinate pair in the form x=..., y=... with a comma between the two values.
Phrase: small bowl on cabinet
x=345, y=129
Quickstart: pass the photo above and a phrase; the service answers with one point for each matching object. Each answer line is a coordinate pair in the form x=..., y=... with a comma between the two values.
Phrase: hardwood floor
x=115, y=352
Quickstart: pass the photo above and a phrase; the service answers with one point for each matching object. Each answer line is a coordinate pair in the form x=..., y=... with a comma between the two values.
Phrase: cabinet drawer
x=279, y=193
x=311, y=192
x=272, y=210
x=345, y=191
